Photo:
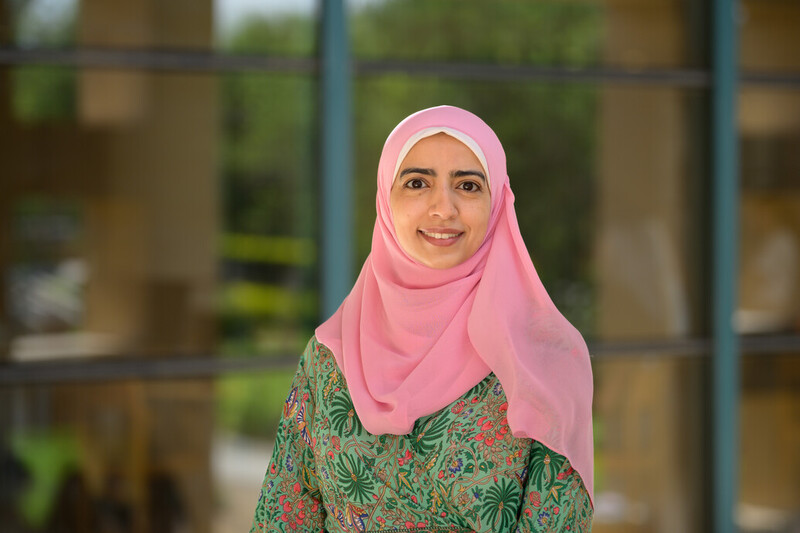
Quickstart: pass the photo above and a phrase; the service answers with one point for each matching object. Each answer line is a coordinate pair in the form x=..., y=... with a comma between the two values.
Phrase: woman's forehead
x=463, y=138
x=432, y=149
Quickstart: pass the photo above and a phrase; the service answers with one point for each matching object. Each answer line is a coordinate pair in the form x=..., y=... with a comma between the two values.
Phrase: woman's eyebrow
x=417, y=170
x=462, y=173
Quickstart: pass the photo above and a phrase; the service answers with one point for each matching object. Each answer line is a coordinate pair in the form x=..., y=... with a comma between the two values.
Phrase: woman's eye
x=415, y=183
x=469, y=186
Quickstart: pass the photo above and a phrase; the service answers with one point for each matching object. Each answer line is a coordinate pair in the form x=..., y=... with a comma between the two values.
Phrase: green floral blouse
x=459, y=470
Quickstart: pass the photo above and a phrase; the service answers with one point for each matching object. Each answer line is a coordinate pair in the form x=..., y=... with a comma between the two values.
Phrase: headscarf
x=411, y=339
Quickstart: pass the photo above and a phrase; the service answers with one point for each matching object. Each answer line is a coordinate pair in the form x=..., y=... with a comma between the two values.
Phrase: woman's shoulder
x=315, y=344
x=317, y=358
x=316, y=351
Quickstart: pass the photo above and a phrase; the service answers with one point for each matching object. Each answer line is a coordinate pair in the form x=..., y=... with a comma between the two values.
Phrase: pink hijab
x=411, y=339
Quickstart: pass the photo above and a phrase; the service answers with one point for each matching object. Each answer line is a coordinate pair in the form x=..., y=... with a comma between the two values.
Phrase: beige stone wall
x=161, y=147
x=140, y=162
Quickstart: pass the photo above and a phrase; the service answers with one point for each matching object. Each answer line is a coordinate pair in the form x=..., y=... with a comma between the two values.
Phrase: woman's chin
x=440, y=261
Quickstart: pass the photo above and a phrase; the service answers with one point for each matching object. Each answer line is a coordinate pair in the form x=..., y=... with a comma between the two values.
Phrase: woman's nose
x=442, y=204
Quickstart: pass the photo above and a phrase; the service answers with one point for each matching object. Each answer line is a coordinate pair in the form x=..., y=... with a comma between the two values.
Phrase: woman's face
x=440, y=202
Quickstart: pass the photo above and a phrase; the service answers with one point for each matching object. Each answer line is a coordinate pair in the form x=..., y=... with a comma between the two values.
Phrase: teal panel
x=724, y=268
x=336, y=194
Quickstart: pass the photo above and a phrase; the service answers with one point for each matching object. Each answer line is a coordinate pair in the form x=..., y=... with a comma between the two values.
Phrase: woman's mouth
x=443, y=237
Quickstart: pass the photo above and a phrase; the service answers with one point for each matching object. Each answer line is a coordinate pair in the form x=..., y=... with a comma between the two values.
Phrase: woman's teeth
x=439, y=235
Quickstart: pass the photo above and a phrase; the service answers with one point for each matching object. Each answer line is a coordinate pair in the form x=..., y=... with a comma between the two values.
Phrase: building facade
x=172, y=183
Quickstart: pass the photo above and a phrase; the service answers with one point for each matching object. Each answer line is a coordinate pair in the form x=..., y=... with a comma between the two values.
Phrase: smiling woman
x=440, y=202
x=447, y=393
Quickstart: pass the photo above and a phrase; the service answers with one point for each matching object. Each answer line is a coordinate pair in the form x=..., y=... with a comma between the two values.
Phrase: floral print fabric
x=459, y=470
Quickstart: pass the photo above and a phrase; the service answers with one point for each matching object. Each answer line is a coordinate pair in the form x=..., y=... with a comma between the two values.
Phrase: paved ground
x=238, y=466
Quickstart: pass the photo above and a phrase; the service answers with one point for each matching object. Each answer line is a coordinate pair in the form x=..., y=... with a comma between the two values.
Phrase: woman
x=447, y=393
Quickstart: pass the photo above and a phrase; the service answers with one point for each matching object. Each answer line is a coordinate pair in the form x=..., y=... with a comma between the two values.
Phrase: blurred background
x=160, y=237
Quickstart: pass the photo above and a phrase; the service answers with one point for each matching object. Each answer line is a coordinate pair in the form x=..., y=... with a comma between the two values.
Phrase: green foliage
x=266, y=148
x=252, y=404
x=289, y=35
x=43, y=93
x=260, y=299
x=501, y=31
x=48, y=457
x=267, y=167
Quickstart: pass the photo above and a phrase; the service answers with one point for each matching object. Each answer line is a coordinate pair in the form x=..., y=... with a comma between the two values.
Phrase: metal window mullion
x=137, y=366
x=725, y=227
x=336, y=188
x=177, y=60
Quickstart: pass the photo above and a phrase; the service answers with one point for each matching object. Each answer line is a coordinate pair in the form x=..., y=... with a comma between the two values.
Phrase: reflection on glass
x=137, y=457
x=769, y=277
x=43, y=94
x=521, y=32
x=769, y=490
x=650, y=436
x=231, y=26
x=163, y=213
x=650, y=188
x=43, y=23
x=115, y=210
x=46, y=280
x=265, y=26
x=583, y=33
x=268, y=295
x=768, y=36
x=248, y=409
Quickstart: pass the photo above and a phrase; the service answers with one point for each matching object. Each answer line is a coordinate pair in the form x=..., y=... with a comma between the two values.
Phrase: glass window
x=157, y=213
x=268, y=249
x=185, y=455
x=552, y=174
x=39, y=23
x=769, y=282
x=226, y=26
x=769, y=489
x=609, y=206
x=768, y=36
x=662, y=34
x=172, y=215
x=651, y=433
x=270, y=27
x=769, y=270
x=651, y=180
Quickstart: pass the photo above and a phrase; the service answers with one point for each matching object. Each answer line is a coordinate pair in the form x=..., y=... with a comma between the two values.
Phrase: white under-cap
x=428, y=132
